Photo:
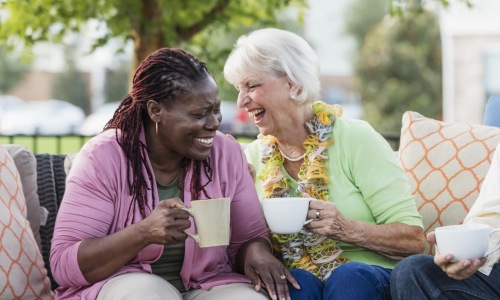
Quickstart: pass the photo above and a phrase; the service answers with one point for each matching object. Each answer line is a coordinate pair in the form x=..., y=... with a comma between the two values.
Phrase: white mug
x=286, y=215
x=211, y=217
x=466, y=241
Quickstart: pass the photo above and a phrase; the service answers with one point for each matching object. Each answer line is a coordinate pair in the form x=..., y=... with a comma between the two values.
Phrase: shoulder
x=103, y=148
x=355, y=132
x=223, y=145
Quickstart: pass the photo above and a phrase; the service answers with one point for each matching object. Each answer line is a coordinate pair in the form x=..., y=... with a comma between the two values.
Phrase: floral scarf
x=305, y=250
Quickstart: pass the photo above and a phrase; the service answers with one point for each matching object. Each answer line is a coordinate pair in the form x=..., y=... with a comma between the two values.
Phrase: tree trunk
x=147, y=34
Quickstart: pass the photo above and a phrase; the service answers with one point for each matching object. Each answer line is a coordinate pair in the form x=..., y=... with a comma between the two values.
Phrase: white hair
x=279, y=53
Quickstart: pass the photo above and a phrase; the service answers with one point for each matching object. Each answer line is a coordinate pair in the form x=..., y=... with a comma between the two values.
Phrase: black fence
x=64, y=144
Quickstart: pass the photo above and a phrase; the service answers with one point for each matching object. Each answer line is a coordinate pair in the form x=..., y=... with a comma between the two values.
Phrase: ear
x=154, y=110
x=294, y=89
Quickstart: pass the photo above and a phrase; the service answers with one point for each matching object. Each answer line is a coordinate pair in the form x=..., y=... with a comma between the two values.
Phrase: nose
x=213, y=123
x=243, y=99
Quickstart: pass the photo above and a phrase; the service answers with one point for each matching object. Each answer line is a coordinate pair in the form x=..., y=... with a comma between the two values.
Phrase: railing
x=64, y=144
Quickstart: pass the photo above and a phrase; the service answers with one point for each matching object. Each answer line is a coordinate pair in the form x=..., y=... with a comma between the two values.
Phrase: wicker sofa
x=445, y=164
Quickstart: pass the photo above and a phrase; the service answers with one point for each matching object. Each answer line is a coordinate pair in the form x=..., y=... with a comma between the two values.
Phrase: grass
x=48, y=144
x=57, y=145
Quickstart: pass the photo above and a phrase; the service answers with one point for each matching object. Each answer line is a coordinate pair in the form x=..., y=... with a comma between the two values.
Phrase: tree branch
x=187, y=33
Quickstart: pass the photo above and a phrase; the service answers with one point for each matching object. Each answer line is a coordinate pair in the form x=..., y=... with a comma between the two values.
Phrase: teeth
x=205, y=141
x=255, y=112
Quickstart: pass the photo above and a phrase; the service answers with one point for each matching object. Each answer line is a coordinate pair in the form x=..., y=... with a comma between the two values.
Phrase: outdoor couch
x=445, y=164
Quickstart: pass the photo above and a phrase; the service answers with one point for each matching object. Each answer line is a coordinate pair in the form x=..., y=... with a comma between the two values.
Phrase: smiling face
x=267, y=99
x=187, y=126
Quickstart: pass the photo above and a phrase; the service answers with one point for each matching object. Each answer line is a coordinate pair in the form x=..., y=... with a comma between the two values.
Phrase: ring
x=283, y=277
x=317, y=214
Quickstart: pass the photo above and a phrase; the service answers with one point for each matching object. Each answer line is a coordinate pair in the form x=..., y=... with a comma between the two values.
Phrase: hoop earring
x=156, y=127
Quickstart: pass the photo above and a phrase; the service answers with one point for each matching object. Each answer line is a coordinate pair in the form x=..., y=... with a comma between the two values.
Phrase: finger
x=315, y=214
x=431, y=237
x=269, y=284
x=179, y=214
x=282, y=287
x=291, y=279
x=258, y=285
x=254, y=277
x=252, y=171
x=316, y=204
x=443, y=260
x=174, y=203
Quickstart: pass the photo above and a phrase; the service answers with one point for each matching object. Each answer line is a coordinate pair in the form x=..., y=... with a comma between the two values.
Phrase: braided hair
x=163, y=76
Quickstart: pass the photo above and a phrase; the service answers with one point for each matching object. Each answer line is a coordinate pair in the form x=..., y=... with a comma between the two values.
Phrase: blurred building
x=324, y=30
x=471, y=59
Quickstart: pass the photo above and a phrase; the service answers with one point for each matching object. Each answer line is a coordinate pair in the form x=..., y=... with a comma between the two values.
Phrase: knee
x=412, y=266
x=348, y=271
x=306, y=278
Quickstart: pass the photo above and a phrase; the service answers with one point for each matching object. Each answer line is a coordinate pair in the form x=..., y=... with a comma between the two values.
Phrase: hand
x=331, y=222
x=264, y=269
x=166, y=223
x=459, y=270
x=251, y=168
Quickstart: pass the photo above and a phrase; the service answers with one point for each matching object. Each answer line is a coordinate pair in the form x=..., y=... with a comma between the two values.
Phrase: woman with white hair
x=365, y=218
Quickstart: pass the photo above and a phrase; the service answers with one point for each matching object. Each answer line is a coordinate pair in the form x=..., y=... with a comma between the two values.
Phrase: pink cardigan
x=97, y=199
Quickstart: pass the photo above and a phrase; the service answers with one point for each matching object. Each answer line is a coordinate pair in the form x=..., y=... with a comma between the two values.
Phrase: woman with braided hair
x=119, y=232
x=364, y=216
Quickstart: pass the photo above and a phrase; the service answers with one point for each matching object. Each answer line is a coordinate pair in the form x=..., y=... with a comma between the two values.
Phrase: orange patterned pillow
x=445, y=164
x=22, y=271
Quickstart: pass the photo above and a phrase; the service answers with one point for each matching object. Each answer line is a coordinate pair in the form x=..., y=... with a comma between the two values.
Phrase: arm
x=86, y=246
x=393, y=227
x=99, y=258
x=394, y=240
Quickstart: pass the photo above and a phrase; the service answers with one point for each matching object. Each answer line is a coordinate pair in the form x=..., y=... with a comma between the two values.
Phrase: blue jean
x=352, y=280
x=418, y=277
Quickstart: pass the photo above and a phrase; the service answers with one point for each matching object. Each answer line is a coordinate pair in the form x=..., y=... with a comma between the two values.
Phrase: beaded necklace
x=314, y=253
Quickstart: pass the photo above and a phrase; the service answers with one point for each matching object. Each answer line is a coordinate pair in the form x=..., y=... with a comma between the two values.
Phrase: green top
x=366, y=183
x=169, y=265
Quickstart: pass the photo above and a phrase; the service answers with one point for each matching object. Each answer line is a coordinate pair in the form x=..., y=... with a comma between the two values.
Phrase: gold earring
x=156, y=127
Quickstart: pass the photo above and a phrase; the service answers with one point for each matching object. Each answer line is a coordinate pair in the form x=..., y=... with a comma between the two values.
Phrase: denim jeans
x=418, y=277
x=350, y=281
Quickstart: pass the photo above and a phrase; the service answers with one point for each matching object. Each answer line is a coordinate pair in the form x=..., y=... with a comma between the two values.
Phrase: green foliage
x=399, y=69
x=12, y=70
x=400, y=7
x=208, y=28
x=361, y=18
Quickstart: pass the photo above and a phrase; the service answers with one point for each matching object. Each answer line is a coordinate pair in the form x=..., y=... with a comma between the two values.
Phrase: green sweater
x=366, y=183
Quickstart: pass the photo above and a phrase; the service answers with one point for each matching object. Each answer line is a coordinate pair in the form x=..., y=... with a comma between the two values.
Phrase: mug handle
x=497, y=247
x=308, y=221
x=195, y=237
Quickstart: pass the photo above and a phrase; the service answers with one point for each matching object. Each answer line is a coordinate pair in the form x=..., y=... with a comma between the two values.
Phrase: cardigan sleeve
x=86, y=211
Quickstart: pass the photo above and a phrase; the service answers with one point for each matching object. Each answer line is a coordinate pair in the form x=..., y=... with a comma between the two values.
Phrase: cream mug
x=286, y=215
x=466, y=241
x=211, y=218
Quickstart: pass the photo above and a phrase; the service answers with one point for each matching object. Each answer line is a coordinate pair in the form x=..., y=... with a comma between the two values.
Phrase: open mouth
x=205, y=141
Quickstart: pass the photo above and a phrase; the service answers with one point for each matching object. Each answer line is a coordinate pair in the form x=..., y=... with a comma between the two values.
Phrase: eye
x=200, y=116
x=253, y=86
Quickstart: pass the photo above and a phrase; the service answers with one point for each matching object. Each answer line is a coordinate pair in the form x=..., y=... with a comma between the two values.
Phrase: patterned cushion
x=22, y=271
x=445, y=164
x=25, y=163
